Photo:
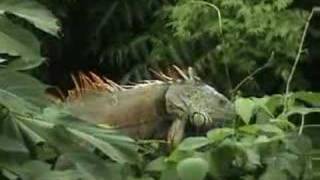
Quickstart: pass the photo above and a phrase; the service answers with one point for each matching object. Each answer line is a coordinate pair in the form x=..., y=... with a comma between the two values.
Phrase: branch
x=296, y=61
x=250, y=76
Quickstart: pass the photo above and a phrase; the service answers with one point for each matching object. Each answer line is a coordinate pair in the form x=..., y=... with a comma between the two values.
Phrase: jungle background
x=262, y=54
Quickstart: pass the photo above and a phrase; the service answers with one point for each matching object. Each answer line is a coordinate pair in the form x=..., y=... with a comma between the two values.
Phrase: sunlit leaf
x=192, y=169
x=245, y=108
x=312, y=98
x=193, y=143
x=217, y=135
x=158, y=164
x=302, y=110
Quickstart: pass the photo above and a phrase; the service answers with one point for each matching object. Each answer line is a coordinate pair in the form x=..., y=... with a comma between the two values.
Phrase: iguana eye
x=199, y=119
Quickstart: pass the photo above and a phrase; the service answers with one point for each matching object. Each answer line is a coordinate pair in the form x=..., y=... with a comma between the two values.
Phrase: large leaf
x=82, y=138
x=90, y=166
x=21, y=93
x=32, y=170
x=217, y=135
x=12, y=148
x=33, y=12
x=193, y=143
x=245, y=108
x=192, y=169
x=312, y=98
x=20, y=43
x=117, y=146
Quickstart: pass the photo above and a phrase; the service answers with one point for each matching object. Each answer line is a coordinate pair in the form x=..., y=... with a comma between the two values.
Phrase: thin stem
x=226, y=68
x=150, y=141
x=302, y=124
x=214, y=7
x=296, y=61
x=250, y=76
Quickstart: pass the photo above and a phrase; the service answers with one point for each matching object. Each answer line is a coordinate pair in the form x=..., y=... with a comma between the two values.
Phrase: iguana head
x=202, y=104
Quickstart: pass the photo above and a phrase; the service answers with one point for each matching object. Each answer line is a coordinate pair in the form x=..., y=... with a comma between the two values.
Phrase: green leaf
x=217, y=135
x=25, y=87
x=170, y=173
x=193, y=143
x=253, y=159
x=261, y=128
x=193, y=169
x=20, y=43
x=104, y=146
x=40, y=170
x=302, y=110
x=11, y=145
x=158, y=164
x=268, y=104
x=84, y=137
x=33, y=12
x=90, y=166
x=22, y=94
x=177, y=156
x=245, y=108
x=312, y=98
x=274, y=174
x=12, y=152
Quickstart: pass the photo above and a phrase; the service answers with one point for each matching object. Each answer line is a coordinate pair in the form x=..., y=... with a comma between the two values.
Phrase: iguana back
x=137, y=111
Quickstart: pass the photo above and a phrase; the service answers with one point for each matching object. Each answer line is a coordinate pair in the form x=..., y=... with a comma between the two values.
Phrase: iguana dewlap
x=152, y=110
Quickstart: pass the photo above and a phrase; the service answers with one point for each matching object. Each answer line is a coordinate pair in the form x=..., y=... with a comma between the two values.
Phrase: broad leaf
x=11, y=145
x=245, y=108
x=33, y=12
x=90, y=166
x=12, y=148
x=40, y=170
x=21, y=93
x=217, y=135
x=261, y=128
x=302, y=110
x=193, y=169
x=193, y=143
x=69, y=138
x=20, y=43
x=311, y=98
x=158, y=164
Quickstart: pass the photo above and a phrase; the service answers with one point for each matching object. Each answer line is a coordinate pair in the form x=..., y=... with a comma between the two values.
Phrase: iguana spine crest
x=86, y=82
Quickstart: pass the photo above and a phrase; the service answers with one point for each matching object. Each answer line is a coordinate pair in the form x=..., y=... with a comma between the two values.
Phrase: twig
x=250, y=76
x=226, y=67
x=296, y=61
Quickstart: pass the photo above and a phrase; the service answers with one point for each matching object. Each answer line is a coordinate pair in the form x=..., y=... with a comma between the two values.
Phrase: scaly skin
x=154, y=110
x=137, y=112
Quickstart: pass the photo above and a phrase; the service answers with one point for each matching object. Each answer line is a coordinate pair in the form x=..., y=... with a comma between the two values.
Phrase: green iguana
x=153, y=109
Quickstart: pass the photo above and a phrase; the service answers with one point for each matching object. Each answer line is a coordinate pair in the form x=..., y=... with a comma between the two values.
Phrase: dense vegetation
x=261, y=54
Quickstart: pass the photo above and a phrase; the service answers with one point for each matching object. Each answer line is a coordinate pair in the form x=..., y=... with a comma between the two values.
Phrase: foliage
x=263, y=143
x=124, y=38
x=31, y=136
x=241, y=37
x=38, y=140
x=20, y=48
